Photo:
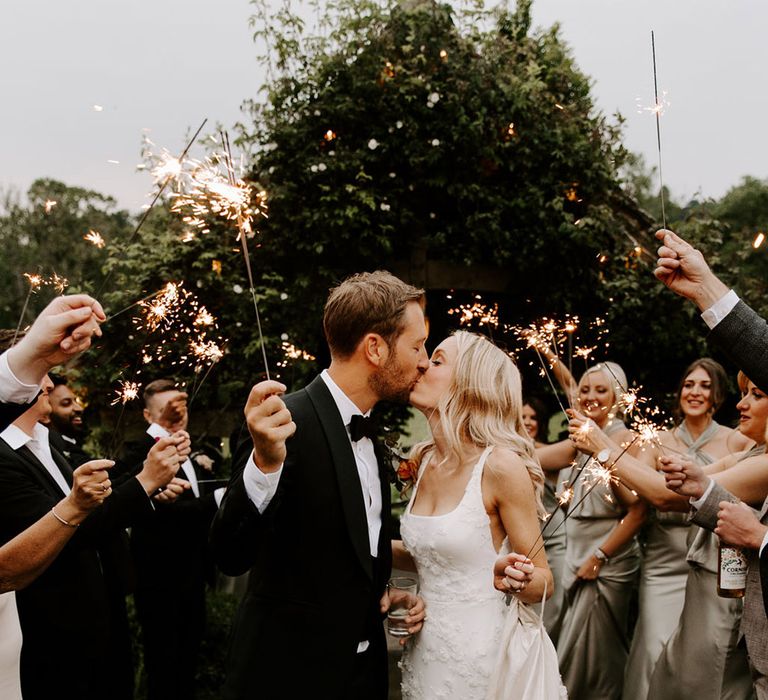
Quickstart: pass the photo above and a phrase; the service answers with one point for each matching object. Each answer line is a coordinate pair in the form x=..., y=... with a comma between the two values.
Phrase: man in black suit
x=308, y=513
x=170, y=553
x=75, y=641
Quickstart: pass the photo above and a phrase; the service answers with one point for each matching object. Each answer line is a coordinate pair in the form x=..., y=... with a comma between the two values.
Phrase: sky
x=163, y=66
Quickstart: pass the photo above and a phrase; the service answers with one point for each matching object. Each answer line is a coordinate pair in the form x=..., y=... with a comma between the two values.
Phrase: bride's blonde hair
x=484, y=407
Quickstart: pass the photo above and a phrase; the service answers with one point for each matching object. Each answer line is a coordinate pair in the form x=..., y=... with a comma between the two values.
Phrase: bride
x=478, y=493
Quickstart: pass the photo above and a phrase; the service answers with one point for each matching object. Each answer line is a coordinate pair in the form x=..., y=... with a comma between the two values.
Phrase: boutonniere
x=404, y=471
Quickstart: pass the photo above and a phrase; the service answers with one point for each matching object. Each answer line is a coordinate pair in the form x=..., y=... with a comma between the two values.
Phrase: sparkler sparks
x=35, y=280
x=207, y=351
x=759, y=239
x=478, y=313
x=127, y=391
x=294, y=353
x=95, y=237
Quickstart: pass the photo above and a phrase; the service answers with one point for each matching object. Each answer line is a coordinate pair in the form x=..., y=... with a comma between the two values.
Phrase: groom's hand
x=270, y=424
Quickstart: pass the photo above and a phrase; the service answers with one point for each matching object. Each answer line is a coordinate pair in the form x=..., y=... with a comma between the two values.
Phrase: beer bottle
x=731, y=571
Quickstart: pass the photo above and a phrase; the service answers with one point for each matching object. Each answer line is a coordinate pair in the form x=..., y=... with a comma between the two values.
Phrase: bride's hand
x=417, y=614
x=512, y=573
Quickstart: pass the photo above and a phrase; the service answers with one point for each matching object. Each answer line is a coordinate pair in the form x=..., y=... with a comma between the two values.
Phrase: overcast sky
x=166, y=64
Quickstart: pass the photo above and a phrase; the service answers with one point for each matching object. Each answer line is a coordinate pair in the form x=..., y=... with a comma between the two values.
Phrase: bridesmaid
x=535, y=422
x=664, y=569
x=602, y=555
x=702, y=659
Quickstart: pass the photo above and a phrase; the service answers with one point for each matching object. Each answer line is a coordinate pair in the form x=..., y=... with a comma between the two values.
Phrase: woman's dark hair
x=718, y=385
x=542, y=416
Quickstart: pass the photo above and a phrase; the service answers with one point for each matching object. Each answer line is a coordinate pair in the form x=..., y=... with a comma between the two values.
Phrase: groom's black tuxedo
x=314, y=589
x=76, y=642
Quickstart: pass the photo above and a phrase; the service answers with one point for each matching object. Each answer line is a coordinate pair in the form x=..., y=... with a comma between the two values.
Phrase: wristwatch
x=601, y=555
x=604, y=455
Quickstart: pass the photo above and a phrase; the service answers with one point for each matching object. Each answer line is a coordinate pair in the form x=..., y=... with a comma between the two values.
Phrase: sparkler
x=479, y=313
x=95, y=237
x=161, y=188
x=36, y=280
x=127, y=391
x=657, y=112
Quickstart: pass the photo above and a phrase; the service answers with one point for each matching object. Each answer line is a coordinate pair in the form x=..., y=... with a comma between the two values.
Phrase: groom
x=307, y=508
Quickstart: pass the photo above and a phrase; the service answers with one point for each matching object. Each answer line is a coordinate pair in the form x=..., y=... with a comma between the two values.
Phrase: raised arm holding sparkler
x=740, y=332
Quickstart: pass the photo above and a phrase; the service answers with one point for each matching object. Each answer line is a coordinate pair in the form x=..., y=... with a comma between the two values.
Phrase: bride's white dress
x=454, y=655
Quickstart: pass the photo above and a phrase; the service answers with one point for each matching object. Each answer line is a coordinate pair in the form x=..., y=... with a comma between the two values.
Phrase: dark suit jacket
x=9, y=412
x=314, y=589
x=743, y=336
x=170, y=547
x=67, y=615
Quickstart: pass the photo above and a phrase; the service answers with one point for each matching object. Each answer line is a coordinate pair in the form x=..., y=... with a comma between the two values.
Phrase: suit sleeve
x=238, y=528
x=743, y=336
x=706, y=516
x=23, y=502
x=764, y=577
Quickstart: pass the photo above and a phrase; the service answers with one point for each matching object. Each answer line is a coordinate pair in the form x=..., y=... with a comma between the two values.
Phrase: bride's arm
x=401, y=557
x=508, y=491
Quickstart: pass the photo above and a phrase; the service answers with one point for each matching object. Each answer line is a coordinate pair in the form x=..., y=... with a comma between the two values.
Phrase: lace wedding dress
x=453, y=656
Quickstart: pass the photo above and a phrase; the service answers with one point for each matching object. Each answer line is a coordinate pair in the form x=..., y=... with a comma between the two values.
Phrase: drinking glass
x=402, y=597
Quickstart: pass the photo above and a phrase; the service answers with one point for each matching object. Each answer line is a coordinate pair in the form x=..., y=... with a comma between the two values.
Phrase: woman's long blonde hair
x=484, y=407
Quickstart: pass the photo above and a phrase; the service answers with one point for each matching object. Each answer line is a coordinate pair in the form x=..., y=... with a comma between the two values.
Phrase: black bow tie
x=360, y=427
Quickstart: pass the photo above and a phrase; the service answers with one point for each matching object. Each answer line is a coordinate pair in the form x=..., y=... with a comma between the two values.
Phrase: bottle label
x=733, y=569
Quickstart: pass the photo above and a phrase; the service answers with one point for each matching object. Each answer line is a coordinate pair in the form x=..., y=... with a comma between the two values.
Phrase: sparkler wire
x=658, y=131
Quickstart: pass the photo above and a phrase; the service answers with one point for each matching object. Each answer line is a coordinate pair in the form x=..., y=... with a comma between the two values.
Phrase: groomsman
x=72, y=617
x=307, y=508
x=170, y=554
x=65, y=424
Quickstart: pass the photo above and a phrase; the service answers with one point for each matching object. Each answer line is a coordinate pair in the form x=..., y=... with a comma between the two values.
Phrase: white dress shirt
x=12, y=389
x=157, y=431
x=39, y=446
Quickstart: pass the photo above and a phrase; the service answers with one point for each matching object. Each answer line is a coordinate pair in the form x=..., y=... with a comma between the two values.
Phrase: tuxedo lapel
x=64, y=466
x=38, y=470
x=346, y=470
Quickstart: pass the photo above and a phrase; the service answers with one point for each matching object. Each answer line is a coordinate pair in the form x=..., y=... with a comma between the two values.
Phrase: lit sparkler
x=479, y=313
x=95, y=237
x=128, y=391
x=294, y=353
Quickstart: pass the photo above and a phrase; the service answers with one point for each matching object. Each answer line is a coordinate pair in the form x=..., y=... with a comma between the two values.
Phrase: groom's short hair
x=368, y=302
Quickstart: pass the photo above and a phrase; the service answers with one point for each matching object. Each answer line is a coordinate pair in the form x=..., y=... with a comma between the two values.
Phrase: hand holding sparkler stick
x=163, y=461
x=270, y=424
x=684, y=270
x=62, y=330
x=684, y=476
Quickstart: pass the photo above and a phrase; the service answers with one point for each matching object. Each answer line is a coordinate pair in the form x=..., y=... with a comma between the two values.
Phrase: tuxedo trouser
x=370, y=675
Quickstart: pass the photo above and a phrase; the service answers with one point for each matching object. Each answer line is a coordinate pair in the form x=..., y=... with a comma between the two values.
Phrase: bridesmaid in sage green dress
x=702, y=659
x=602, y=555
x=664, y=569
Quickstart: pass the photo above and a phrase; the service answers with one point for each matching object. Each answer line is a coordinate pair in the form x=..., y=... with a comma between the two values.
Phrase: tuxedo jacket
x=314, y=589
x=170, y=547
x=73, y=452
x=754, y=623
x=743, y=336
x=68, y=614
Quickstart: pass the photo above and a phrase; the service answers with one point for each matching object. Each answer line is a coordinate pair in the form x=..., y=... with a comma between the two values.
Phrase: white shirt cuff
x=699, y=502
x=12, y=389
x=259, y=486
x=762, y=546
x=720, y=309
x=218, y=494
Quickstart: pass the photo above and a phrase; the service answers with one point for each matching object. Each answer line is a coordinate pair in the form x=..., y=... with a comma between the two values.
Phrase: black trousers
x=370, y=676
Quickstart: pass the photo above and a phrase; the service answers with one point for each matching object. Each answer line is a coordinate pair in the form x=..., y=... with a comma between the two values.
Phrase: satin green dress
x=593, y=644
x=703, y=659
x=663, y=575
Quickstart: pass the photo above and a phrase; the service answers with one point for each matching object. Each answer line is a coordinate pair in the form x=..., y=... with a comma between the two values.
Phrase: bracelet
x=62, y=521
